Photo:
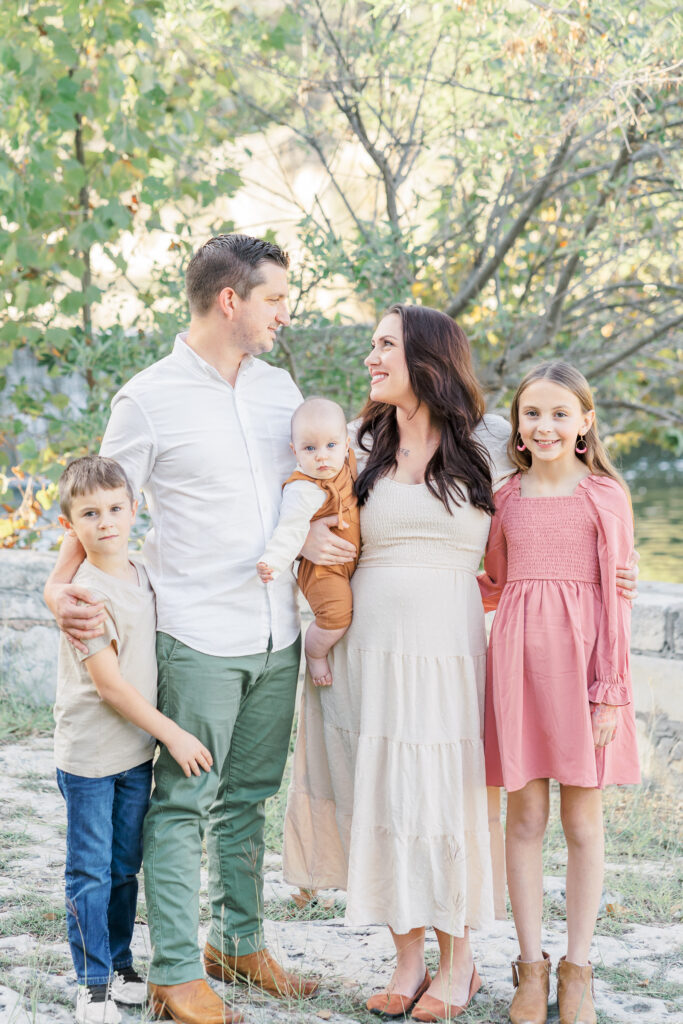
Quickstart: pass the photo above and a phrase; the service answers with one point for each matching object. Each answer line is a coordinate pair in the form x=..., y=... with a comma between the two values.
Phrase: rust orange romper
x=326, y=587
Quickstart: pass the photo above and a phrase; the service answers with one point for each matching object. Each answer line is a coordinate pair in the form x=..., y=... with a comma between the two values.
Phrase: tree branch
x=550, y=321
x=624, y=353
x=482, y=274
x=671, y=416
x=86, y=276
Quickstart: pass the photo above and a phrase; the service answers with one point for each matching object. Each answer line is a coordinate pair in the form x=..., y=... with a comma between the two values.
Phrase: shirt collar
x=192, y=361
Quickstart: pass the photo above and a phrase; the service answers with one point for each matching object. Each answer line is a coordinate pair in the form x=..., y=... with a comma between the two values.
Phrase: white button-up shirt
x=211, y=460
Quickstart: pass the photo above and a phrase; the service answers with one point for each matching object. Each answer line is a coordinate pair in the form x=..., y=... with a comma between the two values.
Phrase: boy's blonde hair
x=87, y=474
x=595, y=457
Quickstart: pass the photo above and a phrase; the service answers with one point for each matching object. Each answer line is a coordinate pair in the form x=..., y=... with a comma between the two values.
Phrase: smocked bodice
x=552, y=538
x=390, y=537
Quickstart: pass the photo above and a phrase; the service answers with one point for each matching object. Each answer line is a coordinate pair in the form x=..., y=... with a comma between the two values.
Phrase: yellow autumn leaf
x=476, y=314
x=44, y=499
x=607, y=330
x=626, y=439
x=7, y=528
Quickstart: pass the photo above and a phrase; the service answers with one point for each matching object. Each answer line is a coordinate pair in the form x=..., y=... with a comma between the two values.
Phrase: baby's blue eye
x=309, y=448
x=331, y=444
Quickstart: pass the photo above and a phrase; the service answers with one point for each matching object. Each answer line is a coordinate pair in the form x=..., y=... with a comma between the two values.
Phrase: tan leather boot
x=532, y=981
x=259, y=969
x=192, y=1002
x=575, y=993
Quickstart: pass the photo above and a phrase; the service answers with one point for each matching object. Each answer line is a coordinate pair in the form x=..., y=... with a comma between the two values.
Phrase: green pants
x=241, y=709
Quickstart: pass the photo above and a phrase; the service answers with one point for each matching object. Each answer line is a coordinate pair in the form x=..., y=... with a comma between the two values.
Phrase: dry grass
x=22, y=716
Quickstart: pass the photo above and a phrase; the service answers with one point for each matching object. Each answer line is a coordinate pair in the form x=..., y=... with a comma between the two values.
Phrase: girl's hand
x=627, y=578
x=604, y=721
x=190, y=753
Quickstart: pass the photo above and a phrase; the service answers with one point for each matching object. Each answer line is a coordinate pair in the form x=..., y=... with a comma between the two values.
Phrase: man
x=204, y=433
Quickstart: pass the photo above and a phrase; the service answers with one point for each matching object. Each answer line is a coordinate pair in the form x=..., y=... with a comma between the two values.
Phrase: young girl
x=558, y=689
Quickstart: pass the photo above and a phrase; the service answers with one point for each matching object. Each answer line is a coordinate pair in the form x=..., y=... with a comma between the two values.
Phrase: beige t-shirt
x=91, y=738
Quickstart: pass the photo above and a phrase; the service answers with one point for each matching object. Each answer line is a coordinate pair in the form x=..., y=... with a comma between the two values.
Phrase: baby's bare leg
x=317, y=646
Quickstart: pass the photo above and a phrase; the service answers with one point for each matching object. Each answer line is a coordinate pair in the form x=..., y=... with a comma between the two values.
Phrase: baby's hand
x=604, y=722
x=190, y=753
x=265, y=572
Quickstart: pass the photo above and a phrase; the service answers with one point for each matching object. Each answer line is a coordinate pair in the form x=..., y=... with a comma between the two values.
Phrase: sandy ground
x=38, y=984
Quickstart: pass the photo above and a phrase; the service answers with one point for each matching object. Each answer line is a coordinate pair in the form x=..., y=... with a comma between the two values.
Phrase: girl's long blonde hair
x=595, y=457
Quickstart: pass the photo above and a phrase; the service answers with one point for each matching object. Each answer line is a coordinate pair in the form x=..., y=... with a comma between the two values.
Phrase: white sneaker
x=94, y=1005
x=128, y=988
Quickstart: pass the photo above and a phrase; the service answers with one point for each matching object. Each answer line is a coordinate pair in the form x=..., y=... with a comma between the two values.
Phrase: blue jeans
x=103, y=856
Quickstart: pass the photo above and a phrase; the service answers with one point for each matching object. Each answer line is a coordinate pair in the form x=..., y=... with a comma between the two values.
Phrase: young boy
x=321, y=486
x=106, y=722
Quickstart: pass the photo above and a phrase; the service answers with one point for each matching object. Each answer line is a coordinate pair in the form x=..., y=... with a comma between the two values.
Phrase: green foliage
x=105, y=124
x=514, y=164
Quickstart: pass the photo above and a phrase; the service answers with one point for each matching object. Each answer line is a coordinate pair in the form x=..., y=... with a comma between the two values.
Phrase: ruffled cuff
x=613, y=690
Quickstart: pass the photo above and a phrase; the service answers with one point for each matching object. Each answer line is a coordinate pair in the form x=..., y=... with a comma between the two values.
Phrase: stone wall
x=29, y=641
x=28, y=634
x=657, y=671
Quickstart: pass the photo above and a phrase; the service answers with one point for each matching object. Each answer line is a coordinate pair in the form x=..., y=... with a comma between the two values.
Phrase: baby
x=322, y=485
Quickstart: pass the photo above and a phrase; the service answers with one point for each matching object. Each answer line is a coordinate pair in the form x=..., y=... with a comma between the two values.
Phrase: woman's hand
x=322, y=547
x=627, y=579
x=604, y=722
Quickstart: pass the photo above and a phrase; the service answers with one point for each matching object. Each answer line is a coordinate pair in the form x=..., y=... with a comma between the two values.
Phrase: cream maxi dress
x=388, y=795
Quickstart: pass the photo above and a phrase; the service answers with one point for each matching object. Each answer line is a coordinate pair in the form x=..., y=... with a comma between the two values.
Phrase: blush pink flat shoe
x=431, y=1010
x=393, y=1004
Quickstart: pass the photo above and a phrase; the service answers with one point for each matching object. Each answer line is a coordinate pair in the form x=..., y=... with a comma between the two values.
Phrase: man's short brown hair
x=228, y=261
x=87, y=474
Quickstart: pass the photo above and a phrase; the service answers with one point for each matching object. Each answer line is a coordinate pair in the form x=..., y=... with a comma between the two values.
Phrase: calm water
x=656, y=483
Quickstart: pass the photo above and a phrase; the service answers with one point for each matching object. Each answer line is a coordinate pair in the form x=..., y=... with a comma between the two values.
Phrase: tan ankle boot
x=532, y=980
x=575, y=993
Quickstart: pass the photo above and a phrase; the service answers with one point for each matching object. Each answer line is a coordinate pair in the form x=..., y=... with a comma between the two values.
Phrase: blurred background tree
x=105, y=133
x=516, y=165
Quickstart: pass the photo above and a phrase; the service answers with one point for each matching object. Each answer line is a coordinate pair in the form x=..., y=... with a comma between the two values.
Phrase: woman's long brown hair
x=595, y=457
x=439, y=362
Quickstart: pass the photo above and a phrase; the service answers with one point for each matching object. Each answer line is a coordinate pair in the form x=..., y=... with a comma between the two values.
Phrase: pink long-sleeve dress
x=560, y=638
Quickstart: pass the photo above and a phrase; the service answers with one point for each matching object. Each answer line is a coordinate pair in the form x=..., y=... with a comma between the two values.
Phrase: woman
x=388, y=798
